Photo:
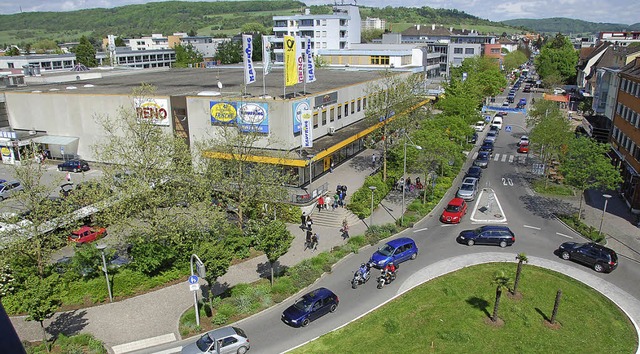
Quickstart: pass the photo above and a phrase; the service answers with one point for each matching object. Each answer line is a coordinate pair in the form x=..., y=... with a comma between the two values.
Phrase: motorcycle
x=385, y=278
x=360, y=276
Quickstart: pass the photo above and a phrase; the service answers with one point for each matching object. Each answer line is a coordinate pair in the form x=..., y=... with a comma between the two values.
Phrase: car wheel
x=333, y=308
x=413, y=256
x=305, y=322
x=503, y=244
x=566, y=256
x=470, y=243
x=242, y=350
x=60, y=169
x=598, y=267
x=1, y=199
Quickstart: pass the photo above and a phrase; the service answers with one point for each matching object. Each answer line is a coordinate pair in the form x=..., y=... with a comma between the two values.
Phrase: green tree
x=501, y=281
x=229, y=52
x=513, y=60
x=40, y=300
x=86, y=53
x=551, y=131
x=367, y=36
x=119, y=42
x=45, y=46
x=586, y=166
x=521, y=258
x=187, y=55
x=12, y=52
x=274, y=239
x=254, y=27
x=557, y=57
x=216, y=258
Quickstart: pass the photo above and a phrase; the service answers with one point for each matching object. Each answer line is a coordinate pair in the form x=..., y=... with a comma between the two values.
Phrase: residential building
x=625, y=137
x=373, y=23
x=622, y=38
x=508, y=44
x=586, y=65
x=39, y=62
x=151, y=58
x=155, y=42
x=460, y=51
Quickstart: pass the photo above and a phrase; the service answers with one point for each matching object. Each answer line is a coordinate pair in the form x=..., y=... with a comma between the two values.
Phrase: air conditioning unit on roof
x=331, y=130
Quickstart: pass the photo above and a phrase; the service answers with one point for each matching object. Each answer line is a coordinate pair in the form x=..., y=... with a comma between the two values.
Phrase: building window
x=324, y=117
x=10, y=65
x=469, y=51
x=379, y=60
x=364, y=103
x=315, y=119
x=353, y=107
x=317, y=34
x=457, y=50
x=339, y=111
x=332, y=114
x=346, y=109
x=359, y=104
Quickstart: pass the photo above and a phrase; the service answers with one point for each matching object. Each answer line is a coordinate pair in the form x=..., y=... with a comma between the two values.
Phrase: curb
x=576, y=232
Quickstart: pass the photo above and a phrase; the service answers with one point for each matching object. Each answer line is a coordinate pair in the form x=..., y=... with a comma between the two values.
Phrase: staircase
x=333, y=218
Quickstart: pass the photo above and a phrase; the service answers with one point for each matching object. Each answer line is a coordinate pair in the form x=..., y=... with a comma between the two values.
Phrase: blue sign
x=193, y=279
x=507, y=129
x=487, y=119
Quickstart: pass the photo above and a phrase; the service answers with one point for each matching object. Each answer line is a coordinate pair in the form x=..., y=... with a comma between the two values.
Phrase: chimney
x=433, y=27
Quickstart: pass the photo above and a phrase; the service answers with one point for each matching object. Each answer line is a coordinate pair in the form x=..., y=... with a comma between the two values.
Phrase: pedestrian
x=69, y=177
x=373, y=160
x=408, y=183
x=307, y=240
x=336, y=199
x=345, y=229
x=303, y=219
x=344, y=189
x=309, y=223
x=320, y=203
x=327, y=201
x=314, y=242
x=341, y=198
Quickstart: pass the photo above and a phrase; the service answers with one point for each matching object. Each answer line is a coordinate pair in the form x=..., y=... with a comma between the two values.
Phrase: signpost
x=193, y=283
x=507, y=129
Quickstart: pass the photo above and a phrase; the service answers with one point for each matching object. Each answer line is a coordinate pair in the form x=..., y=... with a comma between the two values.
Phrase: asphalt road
x=537, y=234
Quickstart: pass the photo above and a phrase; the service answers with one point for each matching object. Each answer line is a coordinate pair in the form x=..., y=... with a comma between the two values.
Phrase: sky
x=611, y=11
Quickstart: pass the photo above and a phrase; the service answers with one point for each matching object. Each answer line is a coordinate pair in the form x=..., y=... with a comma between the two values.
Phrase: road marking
x=504, y=181
x=447, y=225
x=418, y=230
x=496, y=158
x=531, y=227
x=511, y=159
x=504, y=157
x=475, y=155
x=510, y=182
x=563, y=235
x=144, y=343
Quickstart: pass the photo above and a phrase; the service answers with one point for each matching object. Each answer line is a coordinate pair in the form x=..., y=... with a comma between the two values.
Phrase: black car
x=474, y=171
x=74, y=166
x=488, y=235
x=487, y=146
x=482, y=160
x=601, y=258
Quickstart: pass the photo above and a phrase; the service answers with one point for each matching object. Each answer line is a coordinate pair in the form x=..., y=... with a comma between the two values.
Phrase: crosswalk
x=510, y=158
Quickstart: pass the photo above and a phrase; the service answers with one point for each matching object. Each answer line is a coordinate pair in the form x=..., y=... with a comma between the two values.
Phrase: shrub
x=360, y=203
x=587, y=231
x=151, y=257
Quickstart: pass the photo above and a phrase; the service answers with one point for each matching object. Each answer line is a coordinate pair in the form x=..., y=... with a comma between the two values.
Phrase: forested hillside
x=568, y=26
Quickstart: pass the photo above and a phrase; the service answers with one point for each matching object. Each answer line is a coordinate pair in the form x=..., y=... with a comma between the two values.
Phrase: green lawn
x=449, y=315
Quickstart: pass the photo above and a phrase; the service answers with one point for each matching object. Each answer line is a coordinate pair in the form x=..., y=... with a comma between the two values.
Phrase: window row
x=628, y=114
x=337, y=112
x=626, y=142
x=630, y=87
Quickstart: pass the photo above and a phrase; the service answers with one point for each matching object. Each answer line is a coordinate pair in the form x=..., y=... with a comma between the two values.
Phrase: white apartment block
x=374, y=24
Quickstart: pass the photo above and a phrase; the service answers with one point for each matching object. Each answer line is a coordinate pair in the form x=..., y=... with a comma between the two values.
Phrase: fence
x=301, y=198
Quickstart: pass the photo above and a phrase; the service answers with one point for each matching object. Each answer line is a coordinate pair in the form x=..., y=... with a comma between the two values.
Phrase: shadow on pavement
x=545, y=207
x=615, y=206
x=264, y=269
x=68, y=323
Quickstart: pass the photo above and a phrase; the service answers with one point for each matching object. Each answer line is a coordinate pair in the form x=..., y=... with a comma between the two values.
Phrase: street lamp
x=310, y=169
x=404, y=172
x=604, y=210
x=104, y=269
x=373, y=188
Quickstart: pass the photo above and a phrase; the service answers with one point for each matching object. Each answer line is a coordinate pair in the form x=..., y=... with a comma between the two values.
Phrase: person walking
x=327, y=201
x=345, y=229
x=336, y=199
x=307, y=240
x=314, y=242
x=69, y=177
x=320, y=203
x=374, y=159
x=309, y=222
x=303, y=219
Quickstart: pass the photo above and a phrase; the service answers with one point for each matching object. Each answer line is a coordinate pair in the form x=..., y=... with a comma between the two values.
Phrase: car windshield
x=386, y=250
x=304, y=303
x=453, y=208
x=466, y=187
x=204, y=342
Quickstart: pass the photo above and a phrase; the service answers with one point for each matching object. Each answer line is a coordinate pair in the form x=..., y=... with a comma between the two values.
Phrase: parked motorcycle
x=385, y=278
x=361, y=275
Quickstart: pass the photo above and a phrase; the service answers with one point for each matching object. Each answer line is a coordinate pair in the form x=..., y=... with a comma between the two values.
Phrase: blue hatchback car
x=396, y=251
x=309, y=307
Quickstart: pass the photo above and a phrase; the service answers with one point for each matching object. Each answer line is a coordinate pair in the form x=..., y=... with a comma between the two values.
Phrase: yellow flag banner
x=290, y=64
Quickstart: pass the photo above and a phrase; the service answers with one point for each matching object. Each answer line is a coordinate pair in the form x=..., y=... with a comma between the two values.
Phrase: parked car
x=482, y=160
x=74, y=166
x=487, y=146
x=396, y=251
x=8, y=189
x=468, y=189
x=527, y=88
x=454, y=211
x=474, y=171
x=479, y=126
x=601, y=258
x=559, y=91
x=310, y=307
x=523, y=139
x=488, y=235
x=229, y=339
x=491, y=136
x=522, y=103
x=497, y=122
x=505, y=103
x=474, y=138
x=87, y=234
x=524, y=148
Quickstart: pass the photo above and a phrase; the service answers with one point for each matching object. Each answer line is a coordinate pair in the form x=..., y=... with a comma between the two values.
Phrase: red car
x=524, y=147
x=454, y=211
x=87, y=234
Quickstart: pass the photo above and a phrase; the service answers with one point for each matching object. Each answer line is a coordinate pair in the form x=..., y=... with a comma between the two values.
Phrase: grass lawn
x=450, y=315
x=551, y=188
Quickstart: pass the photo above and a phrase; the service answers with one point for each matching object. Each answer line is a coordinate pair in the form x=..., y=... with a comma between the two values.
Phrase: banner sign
x=266, y=54
x=290, y=70
x=326, y=99
x=311, y=66
x=307, y=129
x=300, y=60
x=247, y=51
x=298, y=108
x=155, y=110
x=253, y=117
x=222, y=113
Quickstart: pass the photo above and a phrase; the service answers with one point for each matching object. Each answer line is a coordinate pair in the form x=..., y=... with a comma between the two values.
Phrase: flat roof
x=191, y=81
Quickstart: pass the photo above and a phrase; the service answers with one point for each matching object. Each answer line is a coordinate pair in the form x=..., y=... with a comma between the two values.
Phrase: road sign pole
x=193, y=281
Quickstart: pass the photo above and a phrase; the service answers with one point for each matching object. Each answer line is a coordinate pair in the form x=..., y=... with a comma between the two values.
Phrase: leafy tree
x=45, y=46
x=254, y=27
x=87, y=260
x=187, y=55
x=216, y=258
x=558, y=57
x=521, y=258
x=229, y=52
x=551, y=130
x=586, y=166
x=192, y=33
x=40, y=300
x=501, y=281
x=119, y=42
x=86, y=53
x=514, y=59
x=274, y=239
x=12, y=52
x=367, y=36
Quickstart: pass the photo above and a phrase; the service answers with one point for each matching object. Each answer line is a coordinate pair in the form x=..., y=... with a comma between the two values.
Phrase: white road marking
x=531, y=227
x=504, y=181
x=510, y=181
x=475, y=155
x=563, y=235
x=495, y=158
x=418, y=230
x=504, y=158
x=511, y=159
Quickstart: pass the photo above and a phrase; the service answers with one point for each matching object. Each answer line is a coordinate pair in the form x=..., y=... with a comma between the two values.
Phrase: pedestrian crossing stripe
x=511, y=158
x=505, y=157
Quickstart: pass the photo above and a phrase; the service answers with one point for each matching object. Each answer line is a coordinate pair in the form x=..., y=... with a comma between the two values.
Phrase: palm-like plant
x=501, y=281
x=521, y=258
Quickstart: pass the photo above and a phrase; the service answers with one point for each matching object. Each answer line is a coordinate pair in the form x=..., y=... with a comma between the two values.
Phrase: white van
x=497, y=121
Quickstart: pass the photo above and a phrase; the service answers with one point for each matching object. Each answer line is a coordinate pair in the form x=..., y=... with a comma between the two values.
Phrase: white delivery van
x=497, y=121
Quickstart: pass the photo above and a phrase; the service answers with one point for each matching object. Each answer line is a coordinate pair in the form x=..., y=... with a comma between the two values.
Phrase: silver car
x=7, y=189
x=468, y=189
x=225, y=340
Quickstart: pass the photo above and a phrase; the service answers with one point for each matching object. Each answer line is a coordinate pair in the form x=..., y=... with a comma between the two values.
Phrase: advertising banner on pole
x=307, y=129
x=290, y=65
x=311, y=67
x=299, y=60
x=247, y=52
x=266, y=54
x=298, y=108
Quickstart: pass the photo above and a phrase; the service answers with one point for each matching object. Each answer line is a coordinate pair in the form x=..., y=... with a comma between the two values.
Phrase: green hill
x=568, y=26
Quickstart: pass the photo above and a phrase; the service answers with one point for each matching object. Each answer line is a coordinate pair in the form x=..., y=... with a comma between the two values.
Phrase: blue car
x=310, y=307
x=396, y=251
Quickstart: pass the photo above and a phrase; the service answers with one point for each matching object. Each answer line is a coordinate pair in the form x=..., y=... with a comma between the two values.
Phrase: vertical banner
x=298, y=108
x=311, y=67
x=307, y=129
x=290, y=70
x=266, y=54
x=247, y=51
x=299, y=60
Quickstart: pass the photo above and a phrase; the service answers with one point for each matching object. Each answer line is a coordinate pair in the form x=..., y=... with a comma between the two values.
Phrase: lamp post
x=310, y=169
x=373, y=188
x=404, y=172
x=104, y=269
x=604, y=210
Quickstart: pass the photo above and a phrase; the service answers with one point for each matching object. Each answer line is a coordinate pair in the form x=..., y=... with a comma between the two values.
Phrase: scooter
x=360, y=277
x=385, y=278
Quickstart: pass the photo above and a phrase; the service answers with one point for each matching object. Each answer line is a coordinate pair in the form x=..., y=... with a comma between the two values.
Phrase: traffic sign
x=507, y=129
x=194, y=287
x=193, y=279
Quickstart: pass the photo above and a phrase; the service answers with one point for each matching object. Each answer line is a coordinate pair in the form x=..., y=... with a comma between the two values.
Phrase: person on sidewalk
x=303, y=219
x=327, y=201
x=336, y=201
x=373, y=160
x=69, y=177
x=345, y=229
x=314, y=242
x=307, y=240
x=320, y=203
x=309, y=222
